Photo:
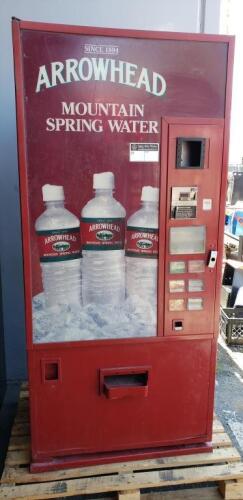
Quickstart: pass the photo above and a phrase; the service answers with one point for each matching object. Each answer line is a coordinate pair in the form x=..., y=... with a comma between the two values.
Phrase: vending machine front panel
x=122, y=139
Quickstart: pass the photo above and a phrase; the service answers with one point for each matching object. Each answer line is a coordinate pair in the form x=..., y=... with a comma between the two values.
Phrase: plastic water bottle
x=58, y=233
x=142, y=255
x=103, y=239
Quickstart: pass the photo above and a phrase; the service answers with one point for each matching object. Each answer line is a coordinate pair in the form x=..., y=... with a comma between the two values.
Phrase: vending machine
x=122, y=141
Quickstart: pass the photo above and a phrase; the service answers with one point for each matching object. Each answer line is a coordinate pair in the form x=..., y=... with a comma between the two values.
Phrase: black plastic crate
x=231, y=324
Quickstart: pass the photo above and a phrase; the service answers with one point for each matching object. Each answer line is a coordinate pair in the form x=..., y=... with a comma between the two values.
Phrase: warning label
x=144, y=152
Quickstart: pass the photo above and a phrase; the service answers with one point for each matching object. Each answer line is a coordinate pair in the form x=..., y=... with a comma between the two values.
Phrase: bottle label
x=59, y=244
x=102, y=234
x=142, y=242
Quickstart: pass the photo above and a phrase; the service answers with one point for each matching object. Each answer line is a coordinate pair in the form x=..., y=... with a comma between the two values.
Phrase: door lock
x=212, y=258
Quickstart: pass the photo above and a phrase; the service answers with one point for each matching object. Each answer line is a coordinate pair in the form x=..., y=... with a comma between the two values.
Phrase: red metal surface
x=208, y=182
x=90, y=30
x=67, y=462
x=75, y=417
x=23, y=182
x=73, y=422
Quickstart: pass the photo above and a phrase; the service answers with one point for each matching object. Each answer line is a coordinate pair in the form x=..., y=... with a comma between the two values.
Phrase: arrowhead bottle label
x=59, y=244
x=142, y=242
x=102, y=233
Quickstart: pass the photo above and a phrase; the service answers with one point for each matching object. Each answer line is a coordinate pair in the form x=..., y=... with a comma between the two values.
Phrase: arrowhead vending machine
x=122, y=140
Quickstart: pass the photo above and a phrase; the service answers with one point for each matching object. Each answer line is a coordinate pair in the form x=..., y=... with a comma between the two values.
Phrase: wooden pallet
x=126, y=480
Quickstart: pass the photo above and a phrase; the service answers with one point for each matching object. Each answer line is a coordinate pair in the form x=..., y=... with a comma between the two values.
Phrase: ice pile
x=73, y=322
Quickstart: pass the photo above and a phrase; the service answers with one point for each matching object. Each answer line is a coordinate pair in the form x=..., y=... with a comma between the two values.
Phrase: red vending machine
x=123, y=140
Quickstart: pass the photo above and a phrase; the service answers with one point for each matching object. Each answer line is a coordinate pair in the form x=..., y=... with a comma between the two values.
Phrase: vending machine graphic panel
x=122, y=140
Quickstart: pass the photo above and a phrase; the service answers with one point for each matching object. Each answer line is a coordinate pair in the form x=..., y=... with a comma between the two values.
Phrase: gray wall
x=2, y=352
x=173, y=15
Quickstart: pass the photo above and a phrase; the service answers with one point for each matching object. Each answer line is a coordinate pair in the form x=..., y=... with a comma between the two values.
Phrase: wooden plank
x=21, y=457
x=129, y=495
x=23, y=404
x=208, y=493
x=122, y=482
x=22, y=415
x=217, y=426
x=221, y=439
x=24, y=386
x=21, y=429
x=23, y=399
x=23, y=394
x=202, y=493
x=231, y=490
x=19, y=443
x=21, y=418
x=15, y=474
x=23, y=409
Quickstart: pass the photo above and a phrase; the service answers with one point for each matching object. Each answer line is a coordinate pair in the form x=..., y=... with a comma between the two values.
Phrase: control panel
x=193, y=188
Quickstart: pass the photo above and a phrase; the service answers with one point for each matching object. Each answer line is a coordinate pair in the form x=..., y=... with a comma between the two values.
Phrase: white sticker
x=144, y=151
x=207, y=203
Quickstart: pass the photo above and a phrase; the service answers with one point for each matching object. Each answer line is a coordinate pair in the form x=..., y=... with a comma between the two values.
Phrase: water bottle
x=58, y=233
x=142, y=256
x=102, y=238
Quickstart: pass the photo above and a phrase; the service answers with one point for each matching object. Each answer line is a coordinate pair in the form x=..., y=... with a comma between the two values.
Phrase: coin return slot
x=190, y=152
x=177, y=325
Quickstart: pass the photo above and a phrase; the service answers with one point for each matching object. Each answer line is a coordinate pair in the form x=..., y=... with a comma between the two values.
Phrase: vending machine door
x=193, y=202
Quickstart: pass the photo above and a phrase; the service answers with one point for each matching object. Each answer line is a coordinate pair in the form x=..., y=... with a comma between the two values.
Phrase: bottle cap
x=52, y=193
x=150, y=193
x=105, y=180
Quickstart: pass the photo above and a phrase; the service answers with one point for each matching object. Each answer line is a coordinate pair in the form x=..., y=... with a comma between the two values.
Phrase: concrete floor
x=229, y=391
